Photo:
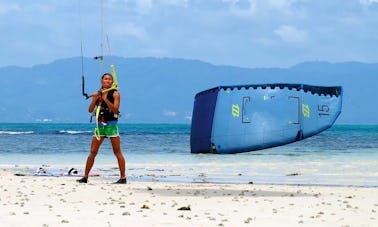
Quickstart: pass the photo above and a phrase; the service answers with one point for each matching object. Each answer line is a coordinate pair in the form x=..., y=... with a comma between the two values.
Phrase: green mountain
x=162, y=90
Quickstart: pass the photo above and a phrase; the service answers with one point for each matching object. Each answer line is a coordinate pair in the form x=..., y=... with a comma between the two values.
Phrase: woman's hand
x=95, y=96
x=105, y=96
x=92, y=105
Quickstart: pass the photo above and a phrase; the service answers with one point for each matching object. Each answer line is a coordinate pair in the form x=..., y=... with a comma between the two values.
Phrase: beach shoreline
x=61, y=201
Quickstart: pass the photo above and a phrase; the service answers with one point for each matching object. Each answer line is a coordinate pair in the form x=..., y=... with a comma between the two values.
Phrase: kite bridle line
x=112, y=68
x=82, y=74
x=100, y=58
x=82, y=57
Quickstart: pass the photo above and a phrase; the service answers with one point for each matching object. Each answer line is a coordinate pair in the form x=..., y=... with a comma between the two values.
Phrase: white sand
x=61, y=201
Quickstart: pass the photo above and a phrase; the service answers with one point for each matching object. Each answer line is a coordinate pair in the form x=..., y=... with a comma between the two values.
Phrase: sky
x=245, y=33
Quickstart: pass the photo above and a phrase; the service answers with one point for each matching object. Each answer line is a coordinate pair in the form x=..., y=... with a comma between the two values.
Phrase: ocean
x=344, y=155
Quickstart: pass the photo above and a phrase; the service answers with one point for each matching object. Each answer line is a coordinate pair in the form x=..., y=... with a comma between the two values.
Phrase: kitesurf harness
x=105, y=114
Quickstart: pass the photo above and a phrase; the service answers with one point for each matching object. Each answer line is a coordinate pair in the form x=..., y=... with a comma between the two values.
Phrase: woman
x=108, y=100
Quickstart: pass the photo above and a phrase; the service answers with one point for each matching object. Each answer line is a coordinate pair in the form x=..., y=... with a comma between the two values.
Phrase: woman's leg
x=116, y=144
x=95, y=146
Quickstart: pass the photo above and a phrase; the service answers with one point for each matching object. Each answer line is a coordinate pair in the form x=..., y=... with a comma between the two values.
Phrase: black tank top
x=106, y=114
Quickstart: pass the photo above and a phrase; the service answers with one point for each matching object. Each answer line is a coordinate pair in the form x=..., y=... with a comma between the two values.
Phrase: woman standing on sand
x=107, y=102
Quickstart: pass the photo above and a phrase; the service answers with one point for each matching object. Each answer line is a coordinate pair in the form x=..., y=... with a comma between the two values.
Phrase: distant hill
x=162, y=90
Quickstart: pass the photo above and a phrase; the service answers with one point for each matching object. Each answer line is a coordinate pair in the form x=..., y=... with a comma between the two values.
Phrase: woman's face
x=107, y=81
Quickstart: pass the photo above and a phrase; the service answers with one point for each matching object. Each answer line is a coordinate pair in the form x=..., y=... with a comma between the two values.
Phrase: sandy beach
x=61, y=201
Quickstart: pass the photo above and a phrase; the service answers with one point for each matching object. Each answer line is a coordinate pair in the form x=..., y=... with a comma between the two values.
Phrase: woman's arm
x=92, y=106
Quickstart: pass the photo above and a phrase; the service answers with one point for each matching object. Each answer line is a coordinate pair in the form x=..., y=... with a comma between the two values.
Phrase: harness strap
x=98, y=109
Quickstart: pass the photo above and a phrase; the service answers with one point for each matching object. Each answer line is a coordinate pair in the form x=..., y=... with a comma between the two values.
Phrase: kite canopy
x=242, y=118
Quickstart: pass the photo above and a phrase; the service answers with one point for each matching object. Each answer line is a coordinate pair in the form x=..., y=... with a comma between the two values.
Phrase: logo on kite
x=306, y=110
x=235, y=110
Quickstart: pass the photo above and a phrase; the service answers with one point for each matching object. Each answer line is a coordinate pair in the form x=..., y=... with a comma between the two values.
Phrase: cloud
x=139, y=6
x=368, y=2
x=143, y=6
x=8, y=7
x=241, y=8
x=281, y=3
x=188, y=117
x=248, y=8
x=169, y=113
x=192, y=29
x=181, y=3
x=129, y=29
x=126, y=115
x=291, y=34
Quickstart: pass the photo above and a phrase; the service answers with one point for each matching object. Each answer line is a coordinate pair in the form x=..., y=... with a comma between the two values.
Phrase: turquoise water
x=342, y=155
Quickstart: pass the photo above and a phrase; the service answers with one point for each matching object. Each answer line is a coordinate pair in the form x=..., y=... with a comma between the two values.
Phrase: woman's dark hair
x=106, y=74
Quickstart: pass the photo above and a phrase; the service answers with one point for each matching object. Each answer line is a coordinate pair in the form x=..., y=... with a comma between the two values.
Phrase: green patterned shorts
x=107, y=131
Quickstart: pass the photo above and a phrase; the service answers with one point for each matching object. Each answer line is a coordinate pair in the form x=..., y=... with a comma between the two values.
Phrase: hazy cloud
x=231, y=32
x=143, y=6
x=291, y=34
x=368, y=2
x=169, y=113
x=129, y=29
x=146, y=6
x=8, y=7
x=248, y=8
x=181, y=3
